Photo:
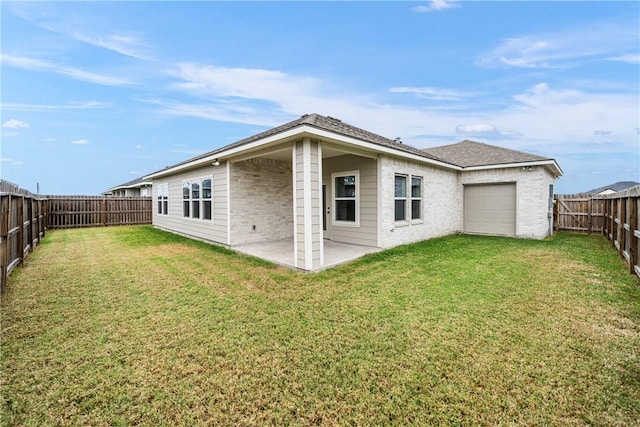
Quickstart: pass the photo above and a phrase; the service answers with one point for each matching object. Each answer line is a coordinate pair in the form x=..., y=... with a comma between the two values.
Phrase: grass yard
x=131, y=325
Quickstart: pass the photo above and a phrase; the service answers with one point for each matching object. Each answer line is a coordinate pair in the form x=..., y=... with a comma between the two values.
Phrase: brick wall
x=261, y=201
x=441, y=203
x=532, y=191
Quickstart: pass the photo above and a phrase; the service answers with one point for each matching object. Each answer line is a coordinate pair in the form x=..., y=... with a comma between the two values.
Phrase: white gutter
x=550, y=162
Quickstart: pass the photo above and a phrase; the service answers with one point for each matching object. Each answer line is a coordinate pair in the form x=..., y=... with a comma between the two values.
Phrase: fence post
x=633, y=242
x=4, y=236
x=30, y=239
x=20, y=224
x=589, y=215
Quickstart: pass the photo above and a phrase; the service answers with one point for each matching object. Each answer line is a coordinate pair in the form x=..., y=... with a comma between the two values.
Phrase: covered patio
x=281, y=252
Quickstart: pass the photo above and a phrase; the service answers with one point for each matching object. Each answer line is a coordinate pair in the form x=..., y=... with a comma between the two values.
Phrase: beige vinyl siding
x=214, y=230
x=367, y=231
x=308, y=233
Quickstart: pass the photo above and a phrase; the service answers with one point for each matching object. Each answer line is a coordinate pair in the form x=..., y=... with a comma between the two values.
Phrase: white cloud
x=435, y=5
x=75, y=73
x=564, y=49
x=11, y=161
x=80, y=141
x=127, y=44
x=433, y=93
x=53, y=108
x=15, y=124
x=537, y=119
x=249, y=83
x=476, y=129
x=630, y=58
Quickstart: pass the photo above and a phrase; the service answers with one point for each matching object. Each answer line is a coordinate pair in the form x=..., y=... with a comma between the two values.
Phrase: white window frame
x=186, y=201
x=420, y=198
x=200, y=200
x=162, y=199
x=206, y=199
x=407, y=179
x=334, y=199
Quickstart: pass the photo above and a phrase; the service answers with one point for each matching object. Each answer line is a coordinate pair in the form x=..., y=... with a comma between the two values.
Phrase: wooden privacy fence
x=579, y=213
x=25, y=218
x=97, y=211
x=615, y=216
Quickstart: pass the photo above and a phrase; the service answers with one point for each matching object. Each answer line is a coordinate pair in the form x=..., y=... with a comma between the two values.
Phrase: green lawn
x=131, y=325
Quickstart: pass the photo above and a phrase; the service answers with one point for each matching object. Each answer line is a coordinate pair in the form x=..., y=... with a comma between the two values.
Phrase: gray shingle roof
x=470, y=153
x=320, y=122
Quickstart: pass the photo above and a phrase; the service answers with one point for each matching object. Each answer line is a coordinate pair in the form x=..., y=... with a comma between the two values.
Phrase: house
x=316, y=183
x=612, y=188
x=135, y=188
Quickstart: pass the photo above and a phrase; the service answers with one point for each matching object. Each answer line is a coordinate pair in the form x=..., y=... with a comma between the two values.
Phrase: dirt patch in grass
x=132, y=325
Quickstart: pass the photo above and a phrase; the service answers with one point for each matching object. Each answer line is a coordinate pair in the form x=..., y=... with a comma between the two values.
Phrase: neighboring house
x=317, y=178
x=613, y=188
x=139, y=187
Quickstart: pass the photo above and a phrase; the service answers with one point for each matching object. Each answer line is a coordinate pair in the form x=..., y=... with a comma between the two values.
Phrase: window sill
x=345, y=224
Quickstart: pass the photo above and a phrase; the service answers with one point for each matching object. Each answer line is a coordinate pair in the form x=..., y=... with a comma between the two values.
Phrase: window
x=345, y=190
x=206, y=199
x=416, y=197
x=163, y=199
x=197, y=199
x=185, y=200
x=400, y=197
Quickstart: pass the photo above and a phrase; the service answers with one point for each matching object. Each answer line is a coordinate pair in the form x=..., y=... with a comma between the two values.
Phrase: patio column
x=307, y=204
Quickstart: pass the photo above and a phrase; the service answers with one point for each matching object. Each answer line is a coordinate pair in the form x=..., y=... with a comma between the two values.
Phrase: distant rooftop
x=615, y=187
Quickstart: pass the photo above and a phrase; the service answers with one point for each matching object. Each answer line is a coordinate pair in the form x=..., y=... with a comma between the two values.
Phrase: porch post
x=307, y=201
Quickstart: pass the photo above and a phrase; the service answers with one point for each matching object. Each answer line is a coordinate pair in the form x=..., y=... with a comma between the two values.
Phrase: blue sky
x=95, y=94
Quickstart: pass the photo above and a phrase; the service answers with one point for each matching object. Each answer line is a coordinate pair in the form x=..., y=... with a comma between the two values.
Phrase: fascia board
x=552, y=163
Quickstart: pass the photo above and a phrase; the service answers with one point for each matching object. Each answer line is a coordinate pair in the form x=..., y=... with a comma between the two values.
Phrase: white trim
x=379, y=203
x=320, y=207
x=407, y=178
x=419, y=220
x=200, y=200
x=162, y=191
x=334, y=222
x=228, y=172
x=295, y=205
x=552, y=163
x=308, y=224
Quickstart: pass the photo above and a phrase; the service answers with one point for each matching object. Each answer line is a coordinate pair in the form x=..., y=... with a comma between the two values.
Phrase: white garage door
x=490, y=209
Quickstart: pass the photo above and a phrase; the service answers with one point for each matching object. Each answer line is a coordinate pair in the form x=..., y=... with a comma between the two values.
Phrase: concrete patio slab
x=281, y=252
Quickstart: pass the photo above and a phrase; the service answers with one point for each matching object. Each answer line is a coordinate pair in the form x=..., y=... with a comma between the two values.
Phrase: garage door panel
x=490, y=209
